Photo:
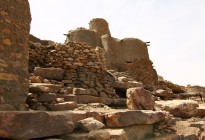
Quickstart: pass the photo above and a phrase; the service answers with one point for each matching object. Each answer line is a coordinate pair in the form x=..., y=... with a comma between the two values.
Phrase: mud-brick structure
x=128, y=54
x=15, y=21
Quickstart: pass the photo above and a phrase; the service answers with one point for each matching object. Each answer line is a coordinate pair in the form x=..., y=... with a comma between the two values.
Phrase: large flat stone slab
x=30, y=124
x=38, y=124
x=179, y=108
x=125, y=118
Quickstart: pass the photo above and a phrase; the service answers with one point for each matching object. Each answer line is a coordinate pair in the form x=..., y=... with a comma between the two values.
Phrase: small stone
x=6, y=42
x=64, y=106
x=90, y=124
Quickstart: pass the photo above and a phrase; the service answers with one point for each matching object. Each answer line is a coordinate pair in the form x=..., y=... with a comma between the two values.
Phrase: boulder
x=64, y=106
x=90, y=124
x=139, y=99
x=50, y=73
x=125, y=118
x=179, y=108
x=30, y=124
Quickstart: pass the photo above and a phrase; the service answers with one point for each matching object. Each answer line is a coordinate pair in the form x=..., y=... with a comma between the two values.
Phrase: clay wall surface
x=15, y=21
x=100, y=26
x=83, y=35
x=123, y=51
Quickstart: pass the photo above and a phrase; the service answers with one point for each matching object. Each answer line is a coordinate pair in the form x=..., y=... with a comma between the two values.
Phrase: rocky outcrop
x=15, y=25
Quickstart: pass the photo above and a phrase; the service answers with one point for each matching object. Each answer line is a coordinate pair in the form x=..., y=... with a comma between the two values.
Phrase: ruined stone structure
x=15, y=21
x=82, y=63
x=128, y=54
x=83, y=35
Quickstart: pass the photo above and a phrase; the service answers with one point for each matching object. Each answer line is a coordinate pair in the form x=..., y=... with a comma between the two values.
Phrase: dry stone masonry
x=15, y=21
x=93, y=86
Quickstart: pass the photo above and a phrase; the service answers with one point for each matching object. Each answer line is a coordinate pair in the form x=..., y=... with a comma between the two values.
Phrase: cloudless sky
x=175, y=28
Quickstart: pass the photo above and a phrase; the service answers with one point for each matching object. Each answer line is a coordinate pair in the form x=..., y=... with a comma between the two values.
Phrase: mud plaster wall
x=15, y=21
x=123, y=51
x=83, y=35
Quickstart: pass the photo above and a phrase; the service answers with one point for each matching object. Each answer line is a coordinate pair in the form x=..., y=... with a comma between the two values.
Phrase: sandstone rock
x=47, y=97
x=164, y=94
x=75, y=136
x=54, y=88
x=99, y=135
x=82, y=91
x=117, y=134
x=36, y=79
x=139, y=99
x=122, y=79
x=50, y=73
x=179, y=108
x=200, y=111
x=90, y=124
x=138, y=132
x=132, y=117
x=64, y=106
x=33, y=88
x=29, y=124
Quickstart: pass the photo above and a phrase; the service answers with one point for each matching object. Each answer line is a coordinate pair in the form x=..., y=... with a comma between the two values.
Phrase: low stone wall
x=83, y=65
x=15, y=21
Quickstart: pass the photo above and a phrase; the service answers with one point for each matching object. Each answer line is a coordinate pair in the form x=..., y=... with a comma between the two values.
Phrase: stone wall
x=83, y=65
x=15, y=21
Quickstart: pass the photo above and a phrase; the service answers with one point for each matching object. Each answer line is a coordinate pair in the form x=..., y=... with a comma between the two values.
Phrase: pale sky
x=175, y=28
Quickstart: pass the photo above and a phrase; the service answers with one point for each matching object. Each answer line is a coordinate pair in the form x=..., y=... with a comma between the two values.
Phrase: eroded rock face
x=14, y=27
x=139, y=99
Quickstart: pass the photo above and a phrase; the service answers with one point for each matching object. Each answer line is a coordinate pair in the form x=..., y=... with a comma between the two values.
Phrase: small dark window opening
x=121, y=92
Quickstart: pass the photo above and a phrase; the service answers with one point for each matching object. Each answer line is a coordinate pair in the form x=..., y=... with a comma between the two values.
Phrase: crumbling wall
x=83, y=35
x=83, y=64
x=15, y=21
x=100, y=26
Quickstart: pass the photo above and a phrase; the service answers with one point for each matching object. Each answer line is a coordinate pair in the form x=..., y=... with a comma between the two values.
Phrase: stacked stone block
x=15, y=21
